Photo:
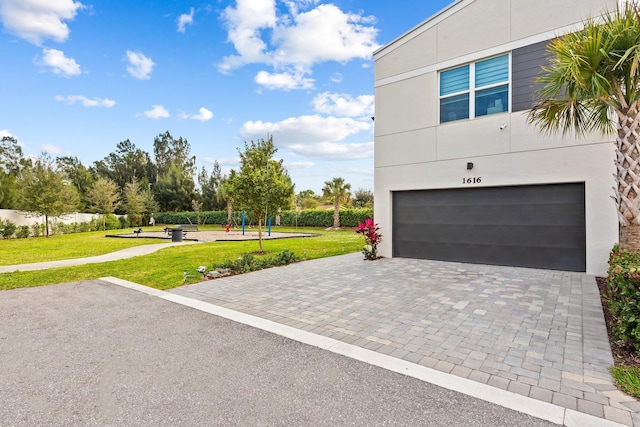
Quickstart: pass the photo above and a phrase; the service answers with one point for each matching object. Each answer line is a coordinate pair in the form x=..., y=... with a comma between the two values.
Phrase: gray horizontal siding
x=525, y=67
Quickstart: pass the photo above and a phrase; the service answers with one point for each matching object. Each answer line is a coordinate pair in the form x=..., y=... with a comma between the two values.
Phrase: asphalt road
x=93, y=353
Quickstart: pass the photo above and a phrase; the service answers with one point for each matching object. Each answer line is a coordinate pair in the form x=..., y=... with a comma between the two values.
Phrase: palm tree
x=592, y=84
x=338, y=192
x=224, y=192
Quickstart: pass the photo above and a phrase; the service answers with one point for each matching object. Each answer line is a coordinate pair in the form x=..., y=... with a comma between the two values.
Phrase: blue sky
x=77, y=77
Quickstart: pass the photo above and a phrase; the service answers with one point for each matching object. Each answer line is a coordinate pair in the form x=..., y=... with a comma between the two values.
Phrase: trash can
x=176, y=234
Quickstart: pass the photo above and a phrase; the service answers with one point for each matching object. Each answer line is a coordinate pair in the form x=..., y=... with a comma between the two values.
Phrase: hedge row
x=623, y=282
x=9, y=229
x=304, y=218
x=208, y=217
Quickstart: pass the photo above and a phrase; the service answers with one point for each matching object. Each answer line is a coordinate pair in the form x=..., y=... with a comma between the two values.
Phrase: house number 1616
x=473, y=180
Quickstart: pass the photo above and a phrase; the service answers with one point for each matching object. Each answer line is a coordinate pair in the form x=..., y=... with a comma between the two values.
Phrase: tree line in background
x=133, y=182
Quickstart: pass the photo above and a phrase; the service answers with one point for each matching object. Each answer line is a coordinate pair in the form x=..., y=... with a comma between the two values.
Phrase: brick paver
x=538, y=333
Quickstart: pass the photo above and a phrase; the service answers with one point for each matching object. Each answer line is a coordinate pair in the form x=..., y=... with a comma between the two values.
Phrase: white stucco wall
x=587, y=163
x=20, y=219
x=414, y=152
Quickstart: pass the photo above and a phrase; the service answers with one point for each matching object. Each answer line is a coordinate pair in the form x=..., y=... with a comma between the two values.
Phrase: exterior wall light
x=469, y=166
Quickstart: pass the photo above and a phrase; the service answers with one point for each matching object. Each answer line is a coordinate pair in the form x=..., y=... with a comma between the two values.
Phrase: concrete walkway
x=531, y=340
x=113, y=256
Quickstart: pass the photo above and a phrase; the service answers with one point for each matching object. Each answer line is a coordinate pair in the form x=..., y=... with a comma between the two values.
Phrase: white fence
x=20, y=219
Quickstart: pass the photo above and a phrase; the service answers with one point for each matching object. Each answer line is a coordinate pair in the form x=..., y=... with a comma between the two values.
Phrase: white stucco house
x=459, y=173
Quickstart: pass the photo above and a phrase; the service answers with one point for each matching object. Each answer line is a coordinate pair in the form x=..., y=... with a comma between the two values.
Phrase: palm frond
x=591, y=74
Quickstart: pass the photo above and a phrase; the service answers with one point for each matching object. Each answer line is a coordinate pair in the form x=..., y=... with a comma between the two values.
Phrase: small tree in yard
x=133, y=203
x=262, y=185
x=44, y=191
x=103, y=197
x=592, y=84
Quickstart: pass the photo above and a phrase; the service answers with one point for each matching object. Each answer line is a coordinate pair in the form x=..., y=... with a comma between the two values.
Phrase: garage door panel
x=471, y=214
x=538, y=236
x=517, y=256
x=495, y=196
x=531, y=226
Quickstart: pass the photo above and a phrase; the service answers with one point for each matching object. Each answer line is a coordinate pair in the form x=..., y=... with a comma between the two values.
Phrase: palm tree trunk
x=627, y=196
x=336, y=214
x=629, y=238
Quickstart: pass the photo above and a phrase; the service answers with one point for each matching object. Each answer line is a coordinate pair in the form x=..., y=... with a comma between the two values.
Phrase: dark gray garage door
x=541, y=226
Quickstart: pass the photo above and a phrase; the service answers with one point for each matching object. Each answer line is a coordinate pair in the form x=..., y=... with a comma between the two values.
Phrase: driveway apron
x=536, y=333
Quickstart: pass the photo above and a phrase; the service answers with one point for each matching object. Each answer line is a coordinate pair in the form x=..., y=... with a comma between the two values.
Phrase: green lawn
x=164, y=269
x=65, y=246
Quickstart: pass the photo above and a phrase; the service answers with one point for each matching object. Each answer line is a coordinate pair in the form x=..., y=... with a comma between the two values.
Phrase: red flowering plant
x=371, y=238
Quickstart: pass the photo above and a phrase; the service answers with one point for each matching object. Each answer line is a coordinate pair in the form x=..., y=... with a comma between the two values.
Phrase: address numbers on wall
x=474, y=180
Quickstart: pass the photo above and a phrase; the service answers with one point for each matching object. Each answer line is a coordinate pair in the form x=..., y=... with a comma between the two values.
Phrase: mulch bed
x=621, y=355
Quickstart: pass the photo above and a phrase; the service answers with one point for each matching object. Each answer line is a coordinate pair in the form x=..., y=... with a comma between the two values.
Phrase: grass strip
x=627, y=378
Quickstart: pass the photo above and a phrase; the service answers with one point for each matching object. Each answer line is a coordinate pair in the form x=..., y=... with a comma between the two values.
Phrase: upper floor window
x=475, y=89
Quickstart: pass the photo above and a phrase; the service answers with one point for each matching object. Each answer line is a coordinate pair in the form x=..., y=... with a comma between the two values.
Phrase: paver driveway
x=96, y=354
x=536, y=333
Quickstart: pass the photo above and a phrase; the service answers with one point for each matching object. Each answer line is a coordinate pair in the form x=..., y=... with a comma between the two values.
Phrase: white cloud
x=59, y=63
x=203, y=115
x=5, y=132
x=343, y=105
x=86, y=102
x=294, y=41
x=139, y=66
x=244, y=25
x=325, y=33
x=184, y=20
x=51, y=149
x=285, y=81
x=299, y=165
x=224, y=162
x=306, y=128
x=335, y=150
x=157, y=112
x=35, y=20
x=295, y=5
x=314, y=136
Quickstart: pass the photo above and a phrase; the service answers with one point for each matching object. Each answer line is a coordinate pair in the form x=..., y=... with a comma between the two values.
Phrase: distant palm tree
x=338, y=192
x=224, y=192
x=592, y=83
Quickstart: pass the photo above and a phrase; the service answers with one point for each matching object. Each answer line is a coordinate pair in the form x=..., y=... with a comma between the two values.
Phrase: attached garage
x=540, y=226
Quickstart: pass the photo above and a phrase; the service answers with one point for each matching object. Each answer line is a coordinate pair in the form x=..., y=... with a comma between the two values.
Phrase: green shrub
x=623, y=297
x=7, y=228
x=35, y=230
x=23, y=232
x=111, y=222
x=123, y=222
x=285, y=257
x=247, y=262
x=58, y=227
